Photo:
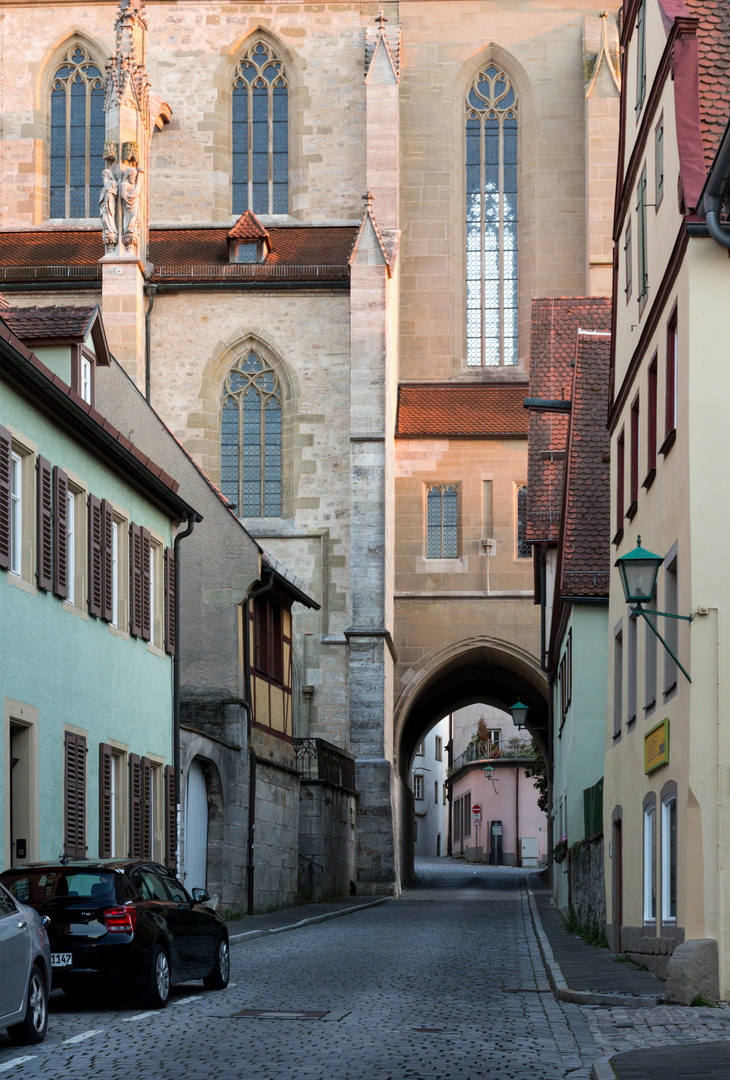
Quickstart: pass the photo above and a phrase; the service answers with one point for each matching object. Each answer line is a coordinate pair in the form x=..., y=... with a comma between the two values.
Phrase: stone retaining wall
x=326, y=841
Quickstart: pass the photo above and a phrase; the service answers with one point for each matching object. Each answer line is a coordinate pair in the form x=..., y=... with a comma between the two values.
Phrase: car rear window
x=41, y=886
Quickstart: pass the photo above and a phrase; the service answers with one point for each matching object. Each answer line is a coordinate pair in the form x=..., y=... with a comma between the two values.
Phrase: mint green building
x=87, y=602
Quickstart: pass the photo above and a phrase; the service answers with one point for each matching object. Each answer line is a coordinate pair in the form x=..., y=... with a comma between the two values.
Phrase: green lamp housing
x=489, y=771
x=638, y=570
x=519, y=714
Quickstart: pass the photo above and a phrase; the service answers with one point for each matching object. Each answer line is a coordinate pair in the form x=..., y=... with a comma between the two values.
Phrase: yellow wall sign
x=656, y=747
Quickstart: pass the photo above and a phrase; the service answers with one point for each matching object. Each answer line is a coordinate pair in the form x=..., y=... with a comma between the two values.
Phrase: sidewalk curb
x=251, y=935
x=563, y=992
x=602, y=1069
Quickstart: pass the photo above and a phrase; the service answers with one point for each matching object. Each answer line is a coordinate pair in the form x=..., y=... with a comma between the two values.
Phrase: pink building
x=512, y=830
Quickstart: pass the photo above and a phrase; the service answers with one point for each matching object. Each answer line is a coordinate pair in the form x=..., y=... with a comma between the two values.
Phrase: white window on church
x=491, y=221
x=77, y=135
x=251, y=438
x=260, y=133
x=442, y=522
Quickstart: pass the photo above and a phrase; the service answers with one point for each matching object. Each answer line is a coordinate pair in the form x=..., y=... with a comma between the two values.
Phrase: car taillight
x=120, y=920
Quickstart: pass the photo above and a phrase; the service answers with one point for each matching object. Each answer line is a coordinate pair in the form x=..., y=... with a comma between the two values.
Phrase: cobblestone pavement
x=445, y=984
x=630, y=1029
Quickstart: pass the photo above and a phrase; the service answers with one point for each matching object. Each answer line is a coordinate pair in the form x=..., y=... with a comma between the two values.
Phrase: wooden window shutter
x=171, y=819
x=170, y=642
x=135, y=807
x=107, y=565
x=135, y=580
x=146, y=801
x=106, y=824
x=60, y=532
x=96, y=574
x=45, y=524
x=6, y=446
x=74, y=795
x=146, y=585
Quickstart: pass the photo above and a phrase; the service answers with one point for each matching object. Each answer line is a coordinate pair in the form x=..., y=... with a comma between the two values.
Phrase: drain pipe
x=150, y=290
x=176, y=682
x=250, y=867
x=715, y=190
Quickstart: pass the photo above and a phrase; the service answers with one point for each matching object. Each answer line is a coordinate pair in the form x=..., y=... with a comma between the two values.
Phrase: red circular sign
x=476, y=809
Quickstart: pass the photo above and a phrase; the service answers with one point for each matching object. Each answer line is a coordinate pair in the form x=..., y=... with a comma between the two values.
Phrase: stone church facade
x=322, y=226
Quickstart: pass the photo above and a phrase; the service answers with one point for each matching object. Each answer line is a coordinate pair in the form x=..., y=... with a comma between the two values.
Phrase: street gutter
x=251, y=935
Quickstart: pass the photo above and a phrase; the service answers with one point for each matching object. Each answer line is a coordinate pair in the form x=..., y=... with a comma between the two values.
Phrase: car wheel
x=155, y=993
x=218, y=978
x=33, y=1028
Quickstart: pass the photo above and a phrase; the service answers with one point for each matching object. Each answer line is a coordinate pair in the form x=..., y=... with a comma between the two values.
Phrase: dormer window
x=247, y=253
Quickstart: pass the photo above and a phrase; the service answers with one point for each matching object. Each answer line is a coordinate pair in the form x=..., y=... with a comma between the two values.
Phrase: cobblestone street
x=445, y=983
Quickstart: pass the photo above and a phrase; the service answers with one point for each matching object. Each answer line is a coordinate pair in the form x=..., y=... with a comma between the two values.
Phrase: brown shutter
x=171, y=815
x=74, y=795
x=170, y=601
x=106, y=823
x=147, y=823
x=6, y=446
x=107, y=566
x=45, y=524
x=60, y=532
x=135, y=807
x=135, y=580
x=146, y=585
x=96, y=576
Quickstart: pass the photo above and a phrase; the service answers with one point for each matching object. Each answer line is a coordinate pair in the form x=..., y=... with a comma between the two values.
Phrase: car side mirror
x=200, y=896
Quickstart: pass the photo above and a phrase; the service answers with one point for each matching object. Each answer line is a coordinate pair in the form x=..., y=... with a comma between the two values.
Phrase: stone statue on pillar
x=130, y=189
x=108, y=208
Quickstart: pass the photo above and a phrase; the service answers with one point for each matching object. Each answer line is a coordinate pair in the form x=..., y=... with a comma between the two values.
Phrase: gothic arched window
x=77, y=135
x=524, y=549
x=260, y=133
x=251, y=438
x=491, y=220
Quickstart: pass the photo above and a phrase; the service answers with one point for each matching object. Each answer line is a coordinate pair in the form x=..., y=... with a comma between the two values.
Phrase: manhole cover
x=283, y=1014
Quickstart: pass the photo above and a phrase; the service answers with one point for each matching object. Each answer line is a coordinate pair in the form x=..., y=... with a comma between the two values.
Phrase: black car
x=125, y=920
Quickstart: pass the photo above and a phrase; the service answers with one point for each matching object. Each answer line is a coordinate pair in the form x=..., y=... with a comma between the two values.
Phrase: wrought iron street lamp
x=638, y=570
x=489, y=773
x=519, y=714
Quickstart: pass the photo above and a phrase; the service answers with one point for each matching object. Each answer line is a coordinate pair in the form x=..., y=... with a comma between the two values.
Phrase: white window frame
x=71, y=547
x=649, y=863
x=16, y=514
x=115, y=574
x=418, y=787
x=667, y=856
x=85, y=381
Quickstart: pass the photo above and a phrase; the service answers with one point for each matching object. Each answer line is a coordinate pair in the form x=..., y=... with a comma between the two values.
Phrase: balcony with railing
x=316, y=759
x=512, y=750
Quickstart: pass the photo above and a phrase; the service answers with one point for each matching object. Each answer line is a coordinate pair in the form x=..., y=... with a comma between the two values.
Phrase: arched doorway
x=472, y=672
x=196, y=828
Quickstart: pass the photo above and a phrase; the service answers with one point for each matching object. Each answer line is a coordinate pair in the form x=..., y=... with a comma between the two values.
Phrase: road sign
x=476, y=809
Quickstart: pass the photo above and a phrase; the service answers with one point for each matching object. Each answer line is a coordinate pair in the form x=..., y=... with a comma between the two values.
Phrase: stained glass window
x=491, y=221
x=441, y=522
x=524, y=550
x=77, y=135
x=251, y=438
x=260, y=133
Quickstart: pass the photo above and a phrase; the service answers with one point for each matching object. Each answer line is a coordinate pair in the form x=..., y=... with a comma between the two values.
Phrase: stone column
x=123, y=202
x=382, y=131
x=603, y=82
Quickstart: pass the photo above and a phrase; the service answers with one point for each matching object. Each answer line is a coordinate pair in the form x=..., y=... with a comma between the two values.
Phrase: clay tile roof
x=52, y=247
x=553, y=338
x=461, y=411
x=37, y=323
x=713, y=38
x=248, y=227
x=585, y=531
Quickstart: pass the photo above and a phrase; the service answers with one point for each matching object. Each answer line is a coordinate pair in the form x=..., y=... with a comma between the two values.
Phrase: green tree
x=537, y=771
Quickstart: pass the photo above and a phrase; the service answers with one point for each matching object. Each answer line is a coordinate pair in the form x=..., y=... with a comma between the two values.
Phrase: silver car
x=25, y=971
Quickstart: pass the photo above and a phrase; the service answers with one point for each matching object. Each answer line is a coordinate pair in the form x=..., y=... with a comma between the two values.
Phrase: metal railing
x=317, y=759
x=512, y=750
x=43, y=273
x=251, y=271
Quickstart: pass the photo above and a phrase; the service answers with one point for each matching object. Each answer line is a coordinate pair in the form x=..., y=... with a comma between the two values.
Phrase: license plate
x=61, y=959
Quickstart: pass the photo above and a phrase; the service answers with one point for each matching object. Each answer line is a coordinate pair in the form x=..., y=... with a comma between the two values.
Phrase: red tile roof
x=298, y=253
x=713, y=35
x=553, y=338
x=585, y=543
x=37, y=323
x=458, y=410
x=248, y=227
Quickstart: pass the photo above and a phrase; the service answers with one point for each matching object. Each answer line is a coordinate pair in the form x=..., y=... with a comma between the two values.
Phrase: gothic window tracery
x=77, y=134
x=441, y=522
x=251, y=438
x=260, y=133
x=491, y=220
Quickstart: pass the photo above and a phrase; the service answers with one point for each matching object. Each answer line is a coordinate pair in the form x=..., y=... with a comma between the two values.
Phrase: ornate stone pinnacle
x=369, y=198
x=381, y=18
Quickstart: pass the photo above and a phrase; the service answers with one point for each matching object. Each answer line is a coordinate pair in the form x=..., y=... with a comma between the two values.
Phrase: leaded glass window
x=524, y=550
x=260, y=135
x=491, y=221
x=251, y=438
x=77, y=135
x=441, y=522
